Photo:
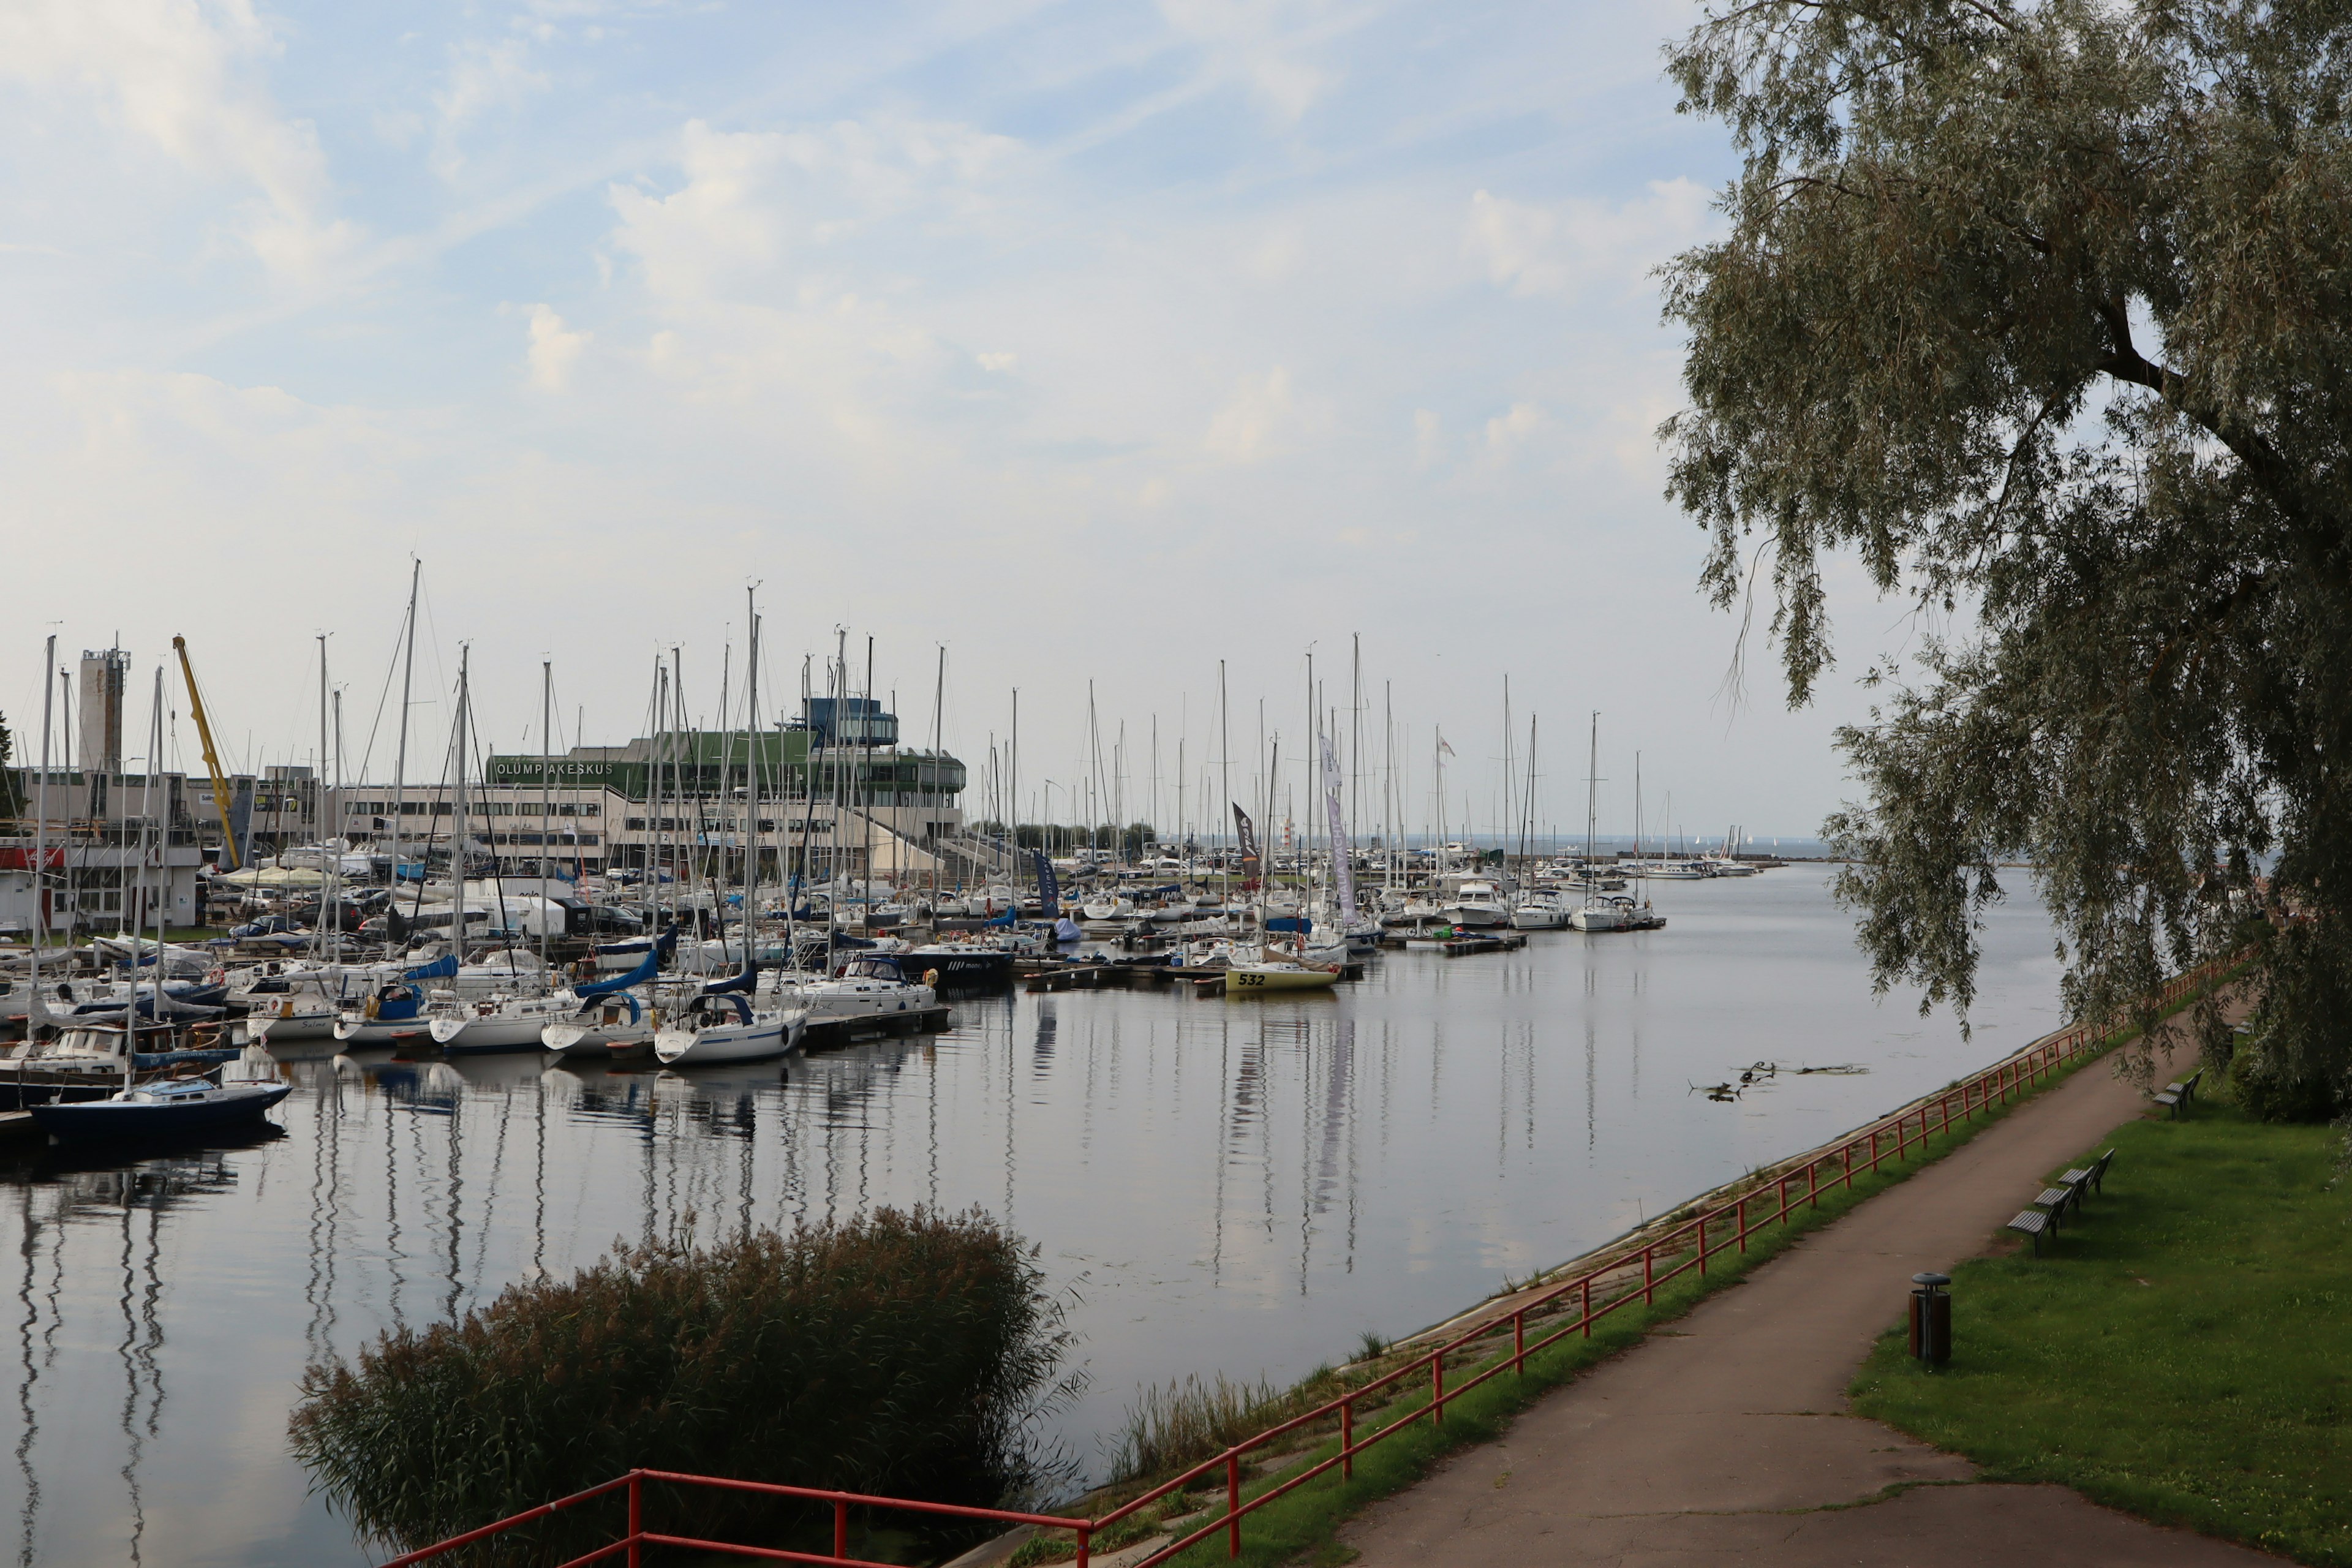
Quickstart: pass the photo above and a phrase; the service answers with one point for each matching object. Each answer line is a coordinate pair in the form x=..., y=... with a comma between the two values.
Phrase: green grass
x=1302, y=1525
x=2186, y=1351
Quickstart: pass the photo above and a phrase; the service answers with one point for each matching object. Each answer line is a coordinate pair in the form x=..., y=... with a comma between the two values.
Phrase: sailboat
x=162, y=1108
x=1594, y=914
x=606, y=1022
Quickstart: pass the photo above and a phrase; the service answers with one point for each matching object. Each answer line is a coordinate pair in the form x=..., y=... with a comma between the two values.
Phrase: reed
x=1185, y=1422
x=903, y=1353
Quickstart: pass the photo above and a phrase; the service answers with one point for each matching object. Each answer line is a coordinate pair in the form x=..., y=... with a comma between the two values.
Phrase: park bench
x=2049, y=1210
x=2093, y=1175
x=2181, y=1093
x=2035, y=1224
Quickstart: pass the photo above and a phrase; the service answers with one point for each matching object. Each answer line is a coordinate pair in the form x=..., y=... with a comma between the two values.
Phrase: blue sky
x=1094, y=341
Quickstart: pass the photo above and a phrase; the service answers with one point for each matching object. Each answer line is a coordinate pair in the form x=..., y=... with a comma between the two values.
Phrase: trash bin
x=1931, y=1320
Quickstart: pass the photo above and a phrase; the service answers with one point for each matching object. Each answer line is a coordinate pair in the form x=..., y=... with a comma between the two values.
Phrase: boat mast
x=457, y=856
x=40, y=849
x=751, y=739
x=939, y=745
x=1591, y=810
x=162, y=837
x=335, y=947
x=1013, y=801
x=546, y=795
x=400, y=755
x=329, y=885
x=1225, y=750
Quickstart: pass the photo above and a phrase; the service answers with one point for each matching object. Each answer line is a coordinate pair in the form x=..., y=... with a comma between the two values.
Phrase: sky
x=1100, y=344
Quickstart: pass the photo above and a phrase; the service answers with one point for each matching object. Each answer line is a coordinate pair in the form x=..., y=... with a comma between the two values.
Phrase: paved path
x=1725, y=1438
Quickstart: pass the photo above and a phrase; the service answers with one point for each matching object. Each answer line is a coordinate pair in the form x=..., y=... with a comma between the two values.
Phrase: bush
x=908, y=1355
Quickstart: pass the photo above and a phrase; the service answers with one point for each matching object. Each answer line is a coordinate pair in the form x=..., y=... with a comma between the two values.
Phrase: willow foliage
x=2044, y=311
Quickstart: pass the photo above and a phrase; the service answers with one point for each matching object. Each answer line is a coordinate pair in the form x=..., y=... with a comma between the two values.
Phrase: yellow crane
x=212, y=758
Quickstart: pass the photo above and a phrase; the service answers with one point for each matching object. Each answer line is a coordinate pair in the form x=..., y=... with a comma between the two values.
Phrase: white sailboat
x=1594, y=914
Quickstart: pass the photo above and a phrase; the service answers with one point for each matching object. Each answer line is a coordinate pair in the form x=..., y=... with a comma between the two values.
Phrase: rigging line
x=391, y=663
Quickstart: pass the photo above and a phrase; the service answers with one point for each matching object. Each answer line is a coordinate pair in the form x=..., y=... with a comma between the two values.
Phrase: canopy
x=273, y=877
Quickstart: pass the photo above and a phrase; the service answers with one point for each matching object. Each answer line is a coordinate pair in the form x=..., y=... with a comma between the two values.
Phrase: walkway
x=1725, y=1438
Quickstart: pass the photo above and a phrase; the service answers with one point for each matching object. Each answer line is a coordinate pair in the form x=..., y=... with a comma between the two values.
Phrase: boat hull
x=116, y=1120
x=1265, y=979
x=764, y=1038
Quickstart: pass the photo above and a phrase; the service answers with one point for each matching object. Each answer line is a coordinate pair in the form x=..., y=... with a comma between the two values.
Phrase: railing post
x=1743, y=1226
x=1437, y=1389
x=1702, y=1244
x=1348, y=1438
x=1873, y=1149
x=1233, y=1503
x=1649, y=1275
x=1519, y=1342
x=841, y=1530
x=636, y=1520
x=1588, y=1305
x=1813, y=1183
x=1085, y=1534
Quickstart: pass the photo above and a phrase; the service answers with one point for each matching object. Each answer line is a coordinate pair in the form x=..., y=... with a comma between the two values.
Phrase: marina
x=1214, y=1188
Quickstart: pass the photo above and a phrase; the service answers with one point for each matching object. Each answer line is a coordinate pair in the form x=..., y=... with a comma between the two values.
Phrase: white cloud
x=555, y=349
x=1427, y=433
x=755, y=203
x=484, y=75
x=1579, y=245
x=1253, y=422
x=1264, y=42
x=1510, y=429
x=997, y=363
x=178, y=74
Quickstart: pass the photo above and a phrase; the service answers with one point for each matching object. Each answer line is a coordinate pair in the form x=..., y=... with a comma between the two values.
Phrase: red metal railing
x=638, y=1537
x=1684, y=1248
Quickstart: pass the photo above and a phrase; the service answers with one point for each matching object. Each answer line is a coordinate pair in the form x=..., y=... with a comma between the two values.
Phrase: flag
x=1248, y=842
x=1049, y=894
x=1443, y=746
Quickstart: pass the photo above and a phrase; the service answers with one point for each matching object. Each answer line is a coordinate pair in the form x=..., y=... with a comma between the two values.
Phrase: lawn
x=2184, y=1353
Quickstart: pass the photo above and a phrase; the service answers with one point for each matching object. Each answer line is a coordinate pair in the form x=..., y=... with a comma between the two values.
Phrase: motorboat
x=1540, y=911
x=1596, y=917
x=162, y=1108
x=1477, y=904
x=959, y=964
x=89, y=1060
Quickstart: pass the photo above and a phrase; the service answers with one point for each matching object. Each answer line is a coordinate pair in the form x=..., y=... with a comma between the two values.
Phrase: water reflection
x=1222, y=1186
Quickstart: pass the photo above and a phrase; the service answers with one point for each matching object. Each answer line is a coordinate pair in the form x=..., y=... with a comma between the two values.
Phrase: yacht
x=1477, y=903
x=1540, y=911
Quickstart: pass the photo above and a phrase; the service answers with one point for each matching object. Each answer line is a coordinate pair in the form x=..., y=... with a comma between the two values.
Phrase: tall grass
x=1180, y=1425
x=903, y=1353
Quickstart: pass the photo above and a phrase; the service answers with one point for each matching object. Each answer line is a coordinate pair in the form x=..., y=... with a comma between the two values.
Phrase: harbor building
x=836, y=791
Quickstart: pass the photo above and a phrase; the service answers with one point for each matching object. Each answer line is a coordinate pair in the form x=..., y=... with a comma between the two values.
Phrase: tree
x=2044, y=311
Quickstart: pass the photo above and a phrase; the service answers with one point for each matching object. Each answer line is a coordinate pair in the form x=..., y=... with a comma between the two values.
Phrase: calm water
x=1218, y=1186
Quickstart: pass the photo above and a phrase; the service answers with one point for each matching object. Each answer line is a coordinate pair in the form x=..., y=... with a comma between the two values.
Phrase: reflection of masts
x=26, y=1408
x=142, y=1336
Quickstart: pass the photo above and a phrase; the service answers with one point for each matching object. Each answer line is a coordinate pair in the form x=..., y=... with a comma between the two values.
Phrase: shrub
x=908, y=1355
